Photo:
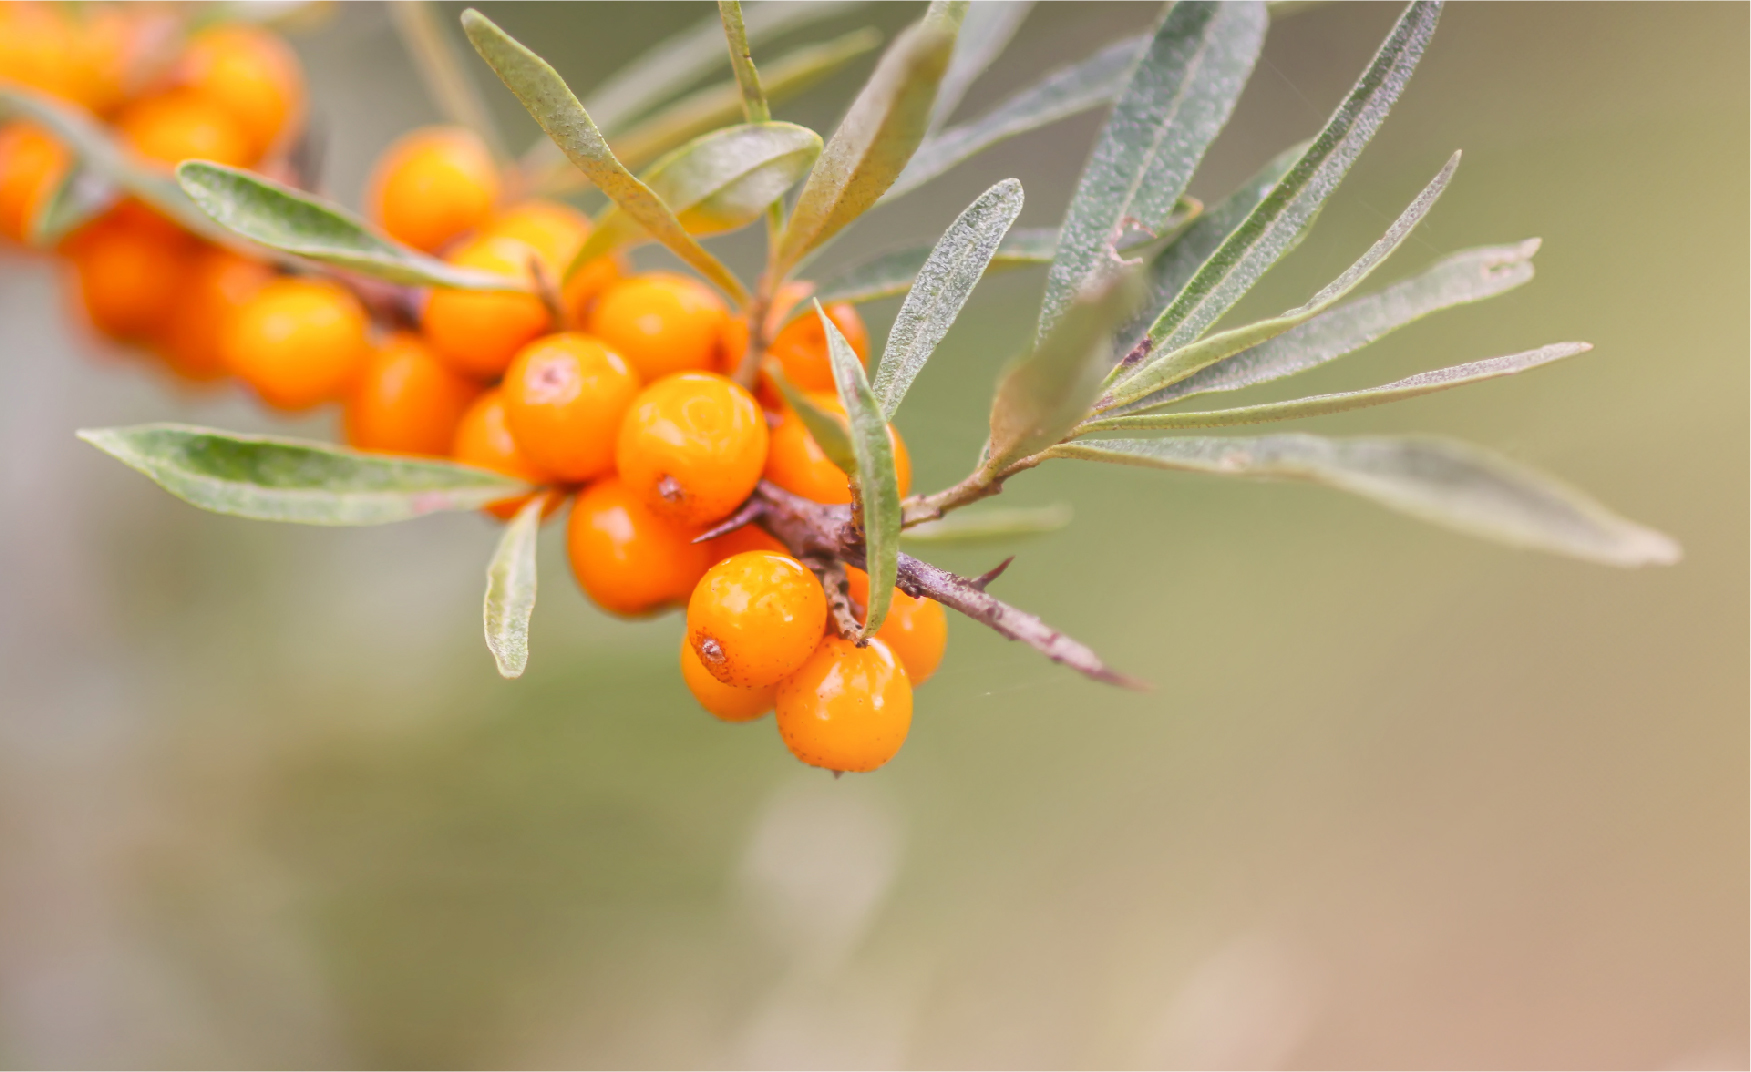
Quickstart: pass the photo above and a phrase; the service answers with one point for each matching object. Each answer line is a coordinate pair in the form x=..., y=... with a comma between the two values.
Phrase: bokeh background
x=1400, y=798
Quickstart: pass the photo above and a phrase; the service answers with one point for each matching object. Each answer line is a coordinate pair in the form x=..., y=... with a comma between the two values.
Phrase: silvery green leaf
x=890, y=274
x=1468, y=276
x=271, y=478
x=80, y=197
x=985, y=32
x=754, y=106
x=1422, y=383
x=279, y=217
x=510, y=590
x=717, y=182
x=1063, y=93
x=1436, y=480
x=942, y=287
x=825, y=428
x=1178, y=98
x=978, y=524
x=1279, y=221
x=1160, y=369
x=546, y=97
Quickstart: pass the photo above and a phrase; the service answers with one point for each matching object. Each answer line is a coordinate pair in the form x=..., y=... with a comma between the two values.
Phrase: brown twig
x=983, y=580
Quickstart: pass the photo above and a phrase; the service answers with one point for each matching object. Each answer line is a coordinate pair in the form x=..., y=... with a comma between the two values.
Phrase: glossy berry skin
x=218, y=283
x=796, y=463
x=848, y=708
x=662, y=323
x=916, y=628
x=406, y=401
x=554, y=230
x=692, y=446
x=483, y=439
x=746, y=538
x=478, y=332
x=180, y=124
x=800, y=347
x=298, y=342
x=432, y=186
x=629, y=561
x=131, y=277
x=250, y=73
x=755, y=618
x=31, y=166
x=726, y=702
x=565, y=396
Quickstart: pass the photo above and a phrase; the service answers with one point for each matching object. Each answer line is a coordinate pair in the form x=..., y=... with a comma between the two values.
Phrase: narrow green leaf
x=270, y=478
x=1422, y=383
x=545, y=95
x=1045, y=394
x=754, y=106
x=1159, y=370
x=890, y=274
x=878, y=488
x=80, y=197
x=279, y=217
x=1278, y=222
x=827, y=429
x=942, y=287
x=1436, y=480
x=874, y=141
x=1468, y=276
x=985, y=33
x=510, y=590
x=1178, y=98
x=715, y=183
x=978, y=524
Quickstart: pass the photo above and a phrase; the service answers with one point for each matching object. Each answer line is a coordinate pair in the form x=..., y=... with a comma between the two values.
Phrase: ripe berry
x=555, y=230
x=800, y=347
x=252, y=74
x=796, y=463
x=131, y=277
x=848, y=708
x=37, y=50
x=727, y=702
x=298, y=342
x=433, y=185
x=628, y=560
x=746, y=538
x=755, y=618
x=692, y=446
x=406, y=401
x=478, y=332
x=31, y=167
x=662, y=323
x=565, y=395
x=916, y=628
x=219, y=282
x=483, y=439
x=182, y=124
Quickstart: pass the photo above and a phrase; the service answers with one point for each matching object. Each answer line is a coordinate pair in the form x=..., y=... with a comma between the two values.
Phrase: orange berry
x=916, y=627
x=251, y=73
x=693, y=446
x=662, y=323
x=38, y=50
x=727, y=702
x=219, y=282
x=131, y=278
x=796, y=463
x=477, y=332
x=298, y=342
x=628, y=560
x=406, y=401
x=848, y=708
x=581, y=293
x=31, y=167
x=106, y=53
x=746, y=538
x=565, y=395
x=182, y=124
x=483, y=439
x=755, y=618
x=553, y=229
x=800, y=347
x=433, y=185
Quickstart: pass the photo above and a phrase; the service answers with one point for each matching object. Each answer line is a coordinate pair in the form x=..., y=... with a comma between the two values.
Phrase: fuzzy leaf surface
x=878, y=486
x=510, y=590
x=890, y=274
x=980, y=524
x=271, y=478
x=985, y=33
x=1436, y=480
x=80, y=197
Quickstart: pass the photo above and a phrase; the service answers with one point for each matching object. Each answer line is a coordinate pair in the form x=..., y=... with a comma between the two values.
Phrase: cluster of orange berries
x=613, y=389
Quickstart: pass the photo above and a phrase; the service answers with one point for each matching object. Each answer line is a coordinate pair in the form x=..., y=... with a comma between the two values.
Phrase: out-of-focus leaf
x=977, y=524
x=942, y=287
x=1178, y=98
x=80, y=197
x=827, y=429
x=985, y=32
x=510, y=590
x=291, y=221
x=1468, y=276
x=270, y=478
x=878, y=135
x=1422, y=383
x=1159, y=370
x=1280, y=219
x=1046, y=393
x=890, y=274
x=1437, y=480
x=547, y=98
x=715, y=183
x=754, y=106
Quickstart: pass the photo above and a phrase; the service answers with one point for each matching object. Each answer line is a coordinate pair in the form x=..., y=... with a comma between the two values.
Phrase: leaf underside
x=510, y=590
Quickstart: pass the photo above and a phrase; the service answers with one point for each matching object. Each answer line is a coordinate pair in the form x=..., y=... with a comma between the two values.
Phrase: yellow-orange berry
x=580, y=294
x=628, y=560
x=298, y=342
x=432, y=186
x=693, y=446
x=406, y=401
x=131, y=277
x=746, y=538
x=848, y=708
x=251, y=73
x=565, y=396
x=662, y=323
x=38, y=50
x=916, y=627
x=755, y=618
x=219, y=282
x=552, y=229
x=727, y=702
x=477, y=332
x=31, y=167
x=181, y=124
x=796, y=463
x=484, y=440
x=800, y=347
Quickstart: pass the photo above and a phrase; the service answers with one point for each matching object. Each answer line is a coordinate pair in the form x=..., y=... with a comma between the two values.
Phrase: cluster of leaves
x=1137, y=278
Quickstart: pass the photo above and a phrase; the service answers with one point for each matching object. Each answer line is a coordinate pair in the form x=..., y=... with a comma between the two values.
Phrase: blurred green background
x=1399, y=799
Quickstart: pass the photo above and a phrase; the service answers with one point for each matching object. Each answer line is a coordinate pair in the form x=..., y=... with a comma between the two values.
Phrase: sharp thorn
x=983, y=580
